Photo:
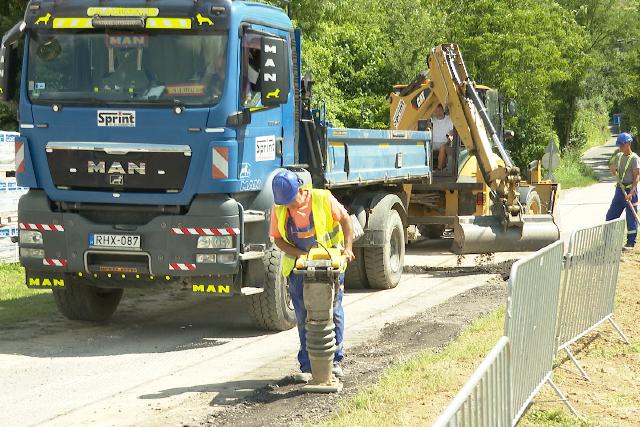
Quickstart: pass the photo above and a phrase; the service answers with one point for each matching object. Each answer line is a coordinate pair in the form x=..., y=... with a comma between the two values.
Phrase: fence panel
x=485, y=400
x=589, y=282
x=590, y=279
x=530, y=324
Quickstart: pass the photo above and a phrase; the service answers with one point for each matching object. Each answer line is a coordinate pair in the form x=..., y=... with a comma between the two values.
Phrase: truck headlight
x=215, y=242
x=205, y=258
x=31, y=253
x=226, y=258
x=30, y=237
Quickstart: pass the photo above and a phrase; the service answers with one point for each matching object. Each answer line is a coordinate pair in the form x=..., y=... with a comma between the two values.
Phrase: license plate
x=119, y=241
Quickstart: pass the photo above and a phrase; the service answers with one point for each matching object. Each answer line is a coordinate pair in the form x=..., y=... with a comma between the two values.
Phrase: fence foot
x=575, y=362
x=618, y=330
x=563, y=398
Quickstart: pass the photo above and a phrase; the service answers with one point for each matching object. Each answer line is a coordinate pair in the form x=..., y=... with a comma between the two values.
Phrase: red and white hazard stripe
x=193, y=231
x=19, y=157
x=52, y=262
x=220, y=163
x=40, y=227
x=181, y=266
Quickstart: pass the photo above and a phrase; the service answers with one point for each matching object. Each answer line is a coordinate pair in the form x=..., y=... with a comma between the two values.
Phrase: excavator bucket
x=475, y=234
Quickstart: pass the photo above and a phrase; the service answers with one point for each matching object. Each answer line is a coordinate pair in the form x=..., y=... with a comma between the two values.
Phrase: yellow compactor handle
x=321, y=257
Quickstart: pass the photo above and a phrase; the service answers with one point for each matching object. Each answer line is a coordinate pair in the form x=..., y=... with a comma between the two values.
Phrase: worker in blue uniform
x=625, y=165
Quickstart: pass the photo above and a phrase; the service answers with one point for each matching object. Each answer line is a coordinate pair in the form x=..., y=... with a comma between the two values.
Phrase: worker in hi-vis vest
x=625, y=165
x=301, y=217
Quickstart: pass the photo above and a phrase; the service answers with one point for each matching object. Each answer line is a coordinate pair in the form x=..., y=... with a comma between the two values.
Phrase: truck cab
x=149, y=134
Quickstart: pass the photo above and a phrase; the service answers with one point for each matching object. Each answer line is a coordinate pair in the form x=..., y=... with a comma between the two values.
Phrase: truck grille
x=118, y=166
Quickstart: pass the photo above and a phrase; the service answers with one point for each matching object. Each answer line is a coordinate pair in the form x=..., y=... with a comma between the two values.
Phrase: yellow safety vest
x=626, y=167
x=328, y=232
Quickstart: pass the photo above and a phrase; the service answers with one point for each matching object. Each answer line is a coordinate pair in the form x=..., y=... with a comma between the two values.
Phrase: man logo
x=117, y=168
x=108, y=118
x=116, y=179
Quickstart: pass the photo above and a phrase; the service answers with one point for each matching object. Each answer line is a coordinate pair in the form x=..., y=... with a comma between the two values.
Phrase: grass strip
x=17, y=302
x=414, y=392
x=572, y=172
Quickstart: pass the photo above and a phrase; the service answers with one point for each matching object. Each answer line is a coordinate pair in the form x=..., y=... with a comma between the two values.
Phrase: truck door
x=263, y=143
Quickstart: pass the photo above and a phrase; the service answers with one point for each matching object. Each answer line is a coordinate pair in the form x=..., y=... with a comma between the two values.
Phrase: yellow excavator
x=479, y=192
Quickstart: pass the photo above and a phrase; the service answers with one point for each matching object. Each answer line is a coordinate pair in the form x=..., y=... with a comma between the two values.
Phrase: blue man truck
x=149, y=134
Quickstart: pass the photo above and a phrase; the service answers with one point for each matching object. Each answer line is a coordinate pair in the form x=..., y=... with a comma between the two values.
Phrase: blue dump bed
x=360, y=156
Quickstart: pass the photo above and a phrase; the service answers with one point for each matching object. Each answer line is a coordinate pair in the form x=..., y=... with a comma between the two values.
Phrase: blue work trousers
x=618, y=205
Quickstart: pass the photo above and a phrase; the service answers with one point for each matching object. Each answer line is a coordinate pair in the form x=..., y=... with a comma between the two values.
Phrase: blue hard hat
x=285, y=186
x=624, y=138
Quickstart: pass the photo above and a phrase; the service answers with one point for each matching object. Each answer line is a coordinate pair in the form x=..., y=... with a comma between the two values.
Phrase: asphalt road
x=170, y=358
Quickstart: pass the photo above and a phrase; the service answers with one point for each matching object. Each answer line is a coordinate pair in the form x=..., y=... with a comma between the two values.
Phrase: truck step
x=251, y=291
x=251, y=255
x=254, y=216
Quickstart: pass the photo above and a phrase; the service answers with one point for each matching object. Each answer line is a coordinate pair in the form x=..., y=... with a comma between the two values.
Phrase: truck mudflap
x=167, y=246
x=475, y=235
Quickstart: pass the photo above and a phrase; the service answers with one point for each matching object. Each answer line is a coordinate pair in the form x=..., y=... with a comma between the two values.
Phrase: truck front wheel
x=384, y=264
x=79, y=301
x=272, y=309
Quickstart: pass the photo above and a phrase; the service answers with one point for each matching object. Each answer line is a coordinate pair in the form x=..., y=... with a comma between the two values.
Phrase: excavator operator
x=443, y=133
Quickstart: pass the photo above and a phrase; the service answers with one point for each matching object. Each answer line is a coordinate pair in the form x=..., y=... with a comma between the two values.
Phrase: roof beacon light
x=117, y=22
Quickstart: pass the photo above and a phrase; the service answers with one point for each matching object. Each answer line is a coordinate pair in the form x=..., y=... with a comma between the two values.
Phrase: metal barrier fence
x=526, y=351
x=530, y=324
x=589, y=283
x=549, y=307
x=485, y=400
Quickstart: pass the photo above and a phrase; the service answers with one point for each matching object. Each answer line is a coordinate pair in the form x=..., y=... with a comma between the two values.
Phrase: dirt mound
x=501, y=268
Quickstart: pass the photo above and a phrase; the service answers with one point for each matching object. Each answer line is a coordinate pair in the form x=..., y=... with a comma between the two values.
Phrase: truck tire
x=533, y=205
x=272, y=309
x=356, y=274
x=384, y=264
x=79, y=301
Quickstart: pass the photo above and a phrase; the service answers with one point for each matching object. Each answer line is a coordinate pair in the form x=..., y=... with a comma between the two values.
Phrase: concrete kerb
x=589, y=284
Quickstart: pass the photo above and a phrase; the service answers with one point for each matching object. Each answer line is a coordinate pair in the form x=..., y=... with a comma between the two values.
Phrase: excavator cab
x=479, y=193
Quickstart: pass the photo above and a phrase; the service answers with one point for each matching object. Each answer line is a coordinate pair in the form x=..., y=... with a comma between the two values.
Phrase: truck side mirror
x=8, y=72
x=274, y=72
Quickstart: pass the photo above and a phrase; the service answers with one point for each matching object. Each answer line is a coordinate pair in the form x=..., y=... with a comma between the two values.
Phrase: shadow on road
x=233, y=392
x=145, y=322
x=600, y=165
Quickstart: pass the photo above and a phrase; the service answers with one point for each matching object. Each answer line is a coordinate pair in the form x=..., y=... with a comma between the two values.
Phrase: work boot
x=302, y=377
x=337, y=371
x=627, y=248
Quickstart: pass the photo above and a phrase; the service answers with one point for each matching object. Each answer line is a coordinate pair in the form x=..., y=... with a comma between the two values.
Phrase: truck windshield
x=125, y=67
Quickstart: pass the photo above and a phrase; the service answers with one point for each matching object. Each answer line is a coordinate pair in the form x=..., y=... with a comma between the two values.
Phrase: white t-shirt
x=441, y=127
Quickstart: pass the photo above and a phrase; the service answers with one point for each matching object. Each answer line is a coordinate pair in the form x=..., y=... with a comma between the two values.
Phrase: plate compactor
x=321, y=269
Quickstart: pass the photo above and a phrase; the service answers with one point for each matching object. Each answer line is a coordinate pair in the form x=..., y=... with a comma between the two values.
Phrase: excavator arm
x=449, y=84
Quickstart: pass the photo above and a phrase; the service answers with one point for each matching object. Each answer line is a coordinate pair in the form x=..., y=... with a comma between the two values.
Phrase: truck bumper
x=168, y=243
